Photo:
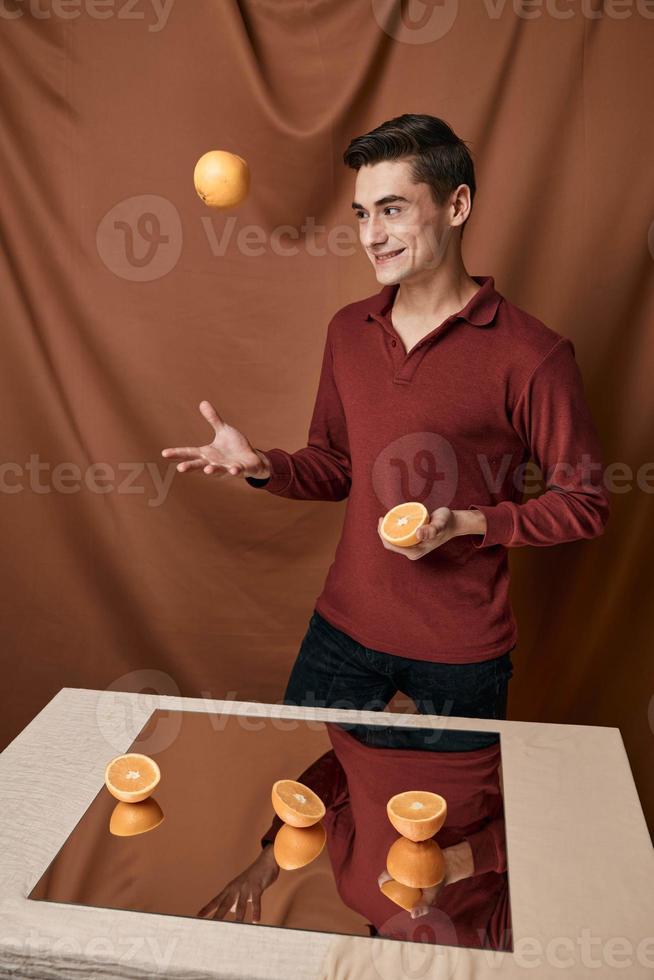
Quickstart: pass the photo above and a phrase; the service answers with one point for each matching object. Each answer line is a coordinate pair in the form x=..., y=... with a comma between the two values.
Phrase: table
x=581, y=865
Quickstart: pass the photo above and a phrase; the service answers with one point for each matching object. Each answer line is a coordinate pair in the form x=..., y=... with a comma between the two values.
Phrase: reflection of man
x=355, y=781
x=435, y=389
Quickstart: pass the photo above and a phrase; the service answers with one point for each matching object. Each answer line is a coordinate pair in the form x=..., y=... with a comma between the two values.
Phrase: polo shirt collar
x=480, y=310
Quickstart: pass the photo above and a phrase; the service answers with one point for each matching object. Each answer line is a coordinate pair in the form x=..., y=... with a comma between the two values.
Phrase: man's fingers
x=225, y=905
x=211, y=415
x=181, y=452
x=190, y=464
x=429, y=532
x=256, y=905
x=241, y=904
x=207, y=910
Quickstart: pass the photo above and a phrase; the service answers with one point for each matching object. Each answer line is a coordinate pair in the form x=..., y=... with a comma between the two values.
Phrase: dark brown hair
x=437, y=155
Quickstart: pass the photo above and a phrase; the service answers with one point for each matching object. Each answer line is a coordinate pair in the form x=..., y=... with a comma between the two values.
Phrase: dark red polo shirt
x=452, y=422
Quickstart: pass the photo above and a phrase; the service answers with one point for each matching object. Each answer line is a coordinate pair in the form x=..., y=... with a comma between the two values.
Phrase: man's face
x=403, y=231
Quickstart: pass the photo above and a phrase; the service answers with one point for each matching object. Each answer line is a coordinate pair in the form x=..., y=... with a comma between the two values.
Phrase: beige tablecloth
x=581, y=865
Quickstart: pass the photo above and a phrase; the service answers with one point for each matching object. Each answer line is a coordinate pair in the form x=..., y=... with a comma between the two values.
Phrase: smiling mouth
x=387, y=256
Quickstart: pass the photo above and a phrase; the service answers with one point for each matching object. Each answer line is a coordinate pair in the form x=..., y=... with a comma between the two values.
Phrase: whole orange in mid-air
x=400, y=524
x=131, y=778
x=222, y=179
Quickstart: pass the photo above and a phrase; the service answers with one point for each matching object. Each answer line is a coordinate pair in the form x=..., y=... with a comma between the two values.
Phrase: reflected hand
x=246, y=887
x=230, y=453
x=442, y=526
x=459, y=864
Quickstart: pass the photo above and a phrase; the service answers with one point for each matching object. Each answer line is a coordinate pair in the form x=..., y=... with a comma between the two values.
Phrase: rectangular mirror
x=206, y=839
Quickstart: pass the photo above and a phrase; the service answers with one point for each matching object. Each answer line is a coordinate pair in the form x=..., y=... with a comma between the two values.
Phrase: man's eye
x=359, y=214
x=386, y=210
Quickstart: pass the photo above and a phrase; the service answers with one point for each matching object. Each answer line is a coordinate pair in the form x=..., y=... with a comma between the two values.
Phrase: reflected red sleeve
x=489, y=848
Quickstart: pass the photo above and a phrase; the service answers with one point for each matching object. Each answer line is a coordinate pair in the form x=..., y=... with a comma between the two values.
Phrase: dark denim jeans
x=334, y=671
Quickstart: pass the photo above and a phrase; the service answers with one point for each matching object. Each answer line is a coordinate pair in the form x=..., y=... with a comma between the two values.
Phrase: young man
x=435, y=389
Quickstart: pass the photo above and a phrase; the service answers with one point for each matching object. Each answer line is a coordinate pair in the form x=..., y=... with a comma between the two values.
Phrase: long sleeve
x=489, y=847
x=326, y=778
x=553, y=420
x=322, y=470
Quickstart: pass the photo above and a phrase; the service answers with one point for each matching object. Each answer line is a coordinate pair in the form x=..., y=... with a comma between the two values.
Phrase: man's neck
x=433, y=298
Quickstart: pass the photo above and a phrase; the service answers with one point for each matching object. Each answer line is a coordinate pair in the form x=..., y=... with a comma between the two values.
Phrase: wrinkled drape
x=125, y=302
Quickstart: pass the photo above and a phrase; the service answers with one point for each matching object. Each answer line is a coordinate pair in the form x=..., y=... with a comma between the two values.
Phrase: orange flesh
x=401, y=521
x=299, y=798
x=417, y=806
x=132, y=774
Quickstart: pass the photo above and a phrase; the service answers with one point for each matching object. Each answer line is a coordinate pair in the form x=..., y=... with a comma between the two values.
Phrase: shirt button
x=394, y=343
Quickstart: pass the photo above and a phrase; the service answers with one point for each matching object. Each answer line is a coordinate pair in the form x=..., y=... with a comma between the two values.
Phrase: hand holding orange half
x=410, y=530
x=398, y=527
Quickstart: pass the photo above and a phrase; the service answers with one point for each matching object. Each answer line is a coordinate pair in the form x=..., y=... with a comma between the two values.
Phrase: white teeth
x=388, y=255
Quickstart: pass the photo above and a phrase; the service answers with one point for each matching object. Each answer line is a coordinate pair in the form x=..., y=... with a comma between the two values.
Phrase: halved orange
x=131, y=777
x=294, y=847
x=400, y=524
x=129, y=819
x=415, y=864
x=407, y=898
x=417, y=814
x=296, y=804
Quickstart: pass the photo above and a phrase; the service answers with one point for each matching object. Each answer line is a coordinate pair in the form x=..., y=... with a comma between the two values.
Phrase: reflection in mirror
x=369, y=830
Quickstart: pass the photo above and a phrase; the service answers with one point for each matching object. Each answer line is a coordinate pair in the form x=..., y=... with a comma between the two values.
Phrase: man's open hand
x=442, y=526
x=229, y=453
x=246, y=888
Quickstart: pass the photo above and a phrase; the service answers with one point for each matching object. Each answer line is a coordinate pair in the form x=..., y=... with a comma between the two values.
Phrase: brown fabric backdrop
x=112, y=336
